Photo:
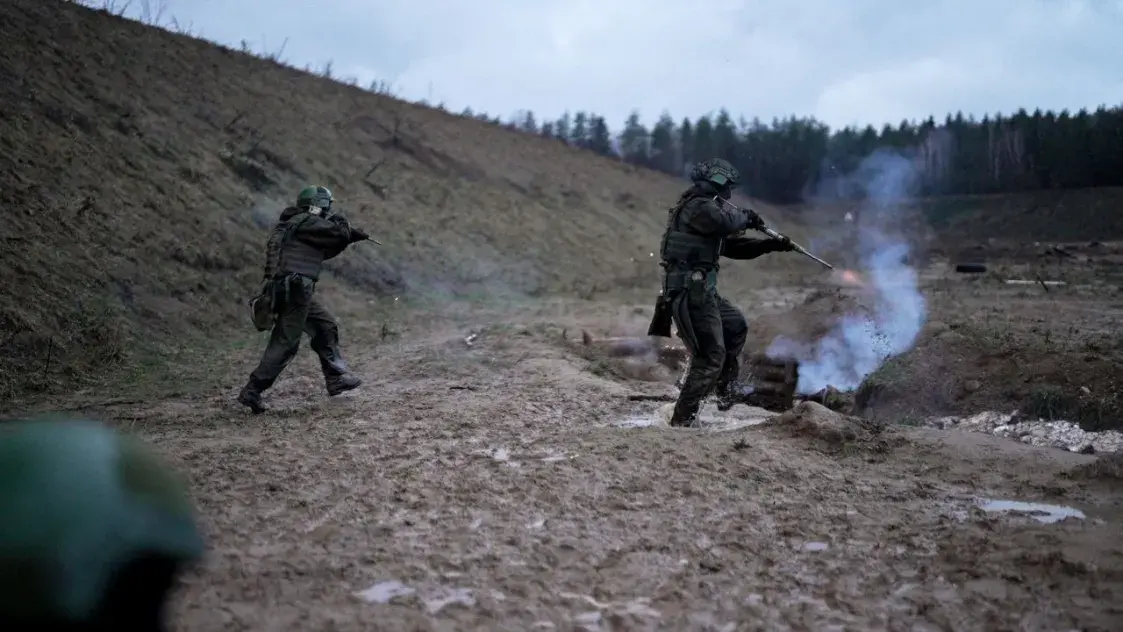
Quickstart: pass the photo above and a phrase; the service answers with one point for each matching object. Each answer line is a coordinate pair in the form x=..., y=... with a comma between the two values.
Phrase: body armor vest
x=687, y=256
x=285, y=255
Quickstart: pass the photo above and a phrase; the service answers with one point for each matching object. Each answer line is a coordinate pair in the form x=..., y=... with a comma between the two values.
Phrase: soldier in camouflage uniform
x=305, y=236
x=699, y=231
x=94, y=529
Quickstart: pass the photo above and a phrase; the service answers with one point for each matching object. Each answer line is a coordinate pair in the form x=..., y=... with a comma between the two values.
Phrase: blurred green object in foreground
x=94, y=528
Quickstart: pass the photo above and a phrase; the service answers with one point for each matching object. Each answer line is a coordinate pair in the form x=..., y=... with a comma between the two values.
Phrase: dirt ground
x=503, y=482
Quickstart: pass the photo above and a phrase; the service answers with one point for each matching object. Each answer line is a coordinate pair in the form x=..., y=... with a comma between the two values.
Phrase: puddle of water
x=385, y=592
x=710, y=419
x=1045, y=514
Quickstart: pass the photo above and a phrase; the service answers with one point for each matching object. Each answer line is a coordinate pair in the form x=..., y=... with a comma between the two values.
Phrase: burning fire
x=850, y=277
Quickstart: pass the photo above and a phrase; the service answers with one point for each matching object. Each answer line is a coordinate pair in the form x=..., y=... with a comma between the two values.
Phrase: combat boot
x=342, y=383
x=250, y=397
x=682, y=421
x=731, y=394
x=684, y=416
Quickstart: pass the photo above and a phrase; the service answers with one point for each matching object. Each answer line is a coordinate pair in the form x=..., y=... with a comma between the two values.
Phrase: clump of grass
x=1049, y=402
x=1093, y=412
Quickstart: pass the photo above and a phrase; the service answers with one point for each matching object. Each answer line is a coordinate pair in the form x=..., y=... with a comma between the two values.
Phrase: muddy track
x=491, y=487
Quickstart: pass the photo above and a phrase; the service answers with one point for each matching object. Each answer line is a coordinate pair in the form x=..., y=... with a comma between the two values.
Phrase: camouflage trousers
x=714, y=333
x=299, y=313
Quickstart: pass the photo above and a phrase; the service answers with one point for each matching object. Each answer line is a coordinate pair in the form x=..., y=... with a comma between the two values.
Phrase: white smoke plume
x=859, y=343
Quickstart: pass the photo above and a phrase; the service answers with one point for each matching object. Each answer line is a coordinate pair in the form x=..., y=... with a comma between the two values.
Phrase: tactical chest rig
x=276, y=285
x=690, y=263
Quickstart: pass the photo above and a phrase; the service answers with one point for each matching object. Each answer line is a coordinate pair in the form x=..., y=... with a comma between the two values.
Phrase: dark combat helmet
x=94, y=529
x=719, y=172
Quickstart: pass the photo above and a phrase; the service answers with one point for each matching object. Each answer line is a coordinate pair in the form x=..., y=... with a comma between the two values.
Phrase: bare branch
x=374, y=168
x=378, y=86
x=281, y=51
x=234, y=121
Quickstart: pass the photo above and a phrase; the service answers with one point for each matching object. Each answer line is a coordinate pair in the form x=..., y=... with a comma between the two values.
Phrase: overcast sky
x=842, y=61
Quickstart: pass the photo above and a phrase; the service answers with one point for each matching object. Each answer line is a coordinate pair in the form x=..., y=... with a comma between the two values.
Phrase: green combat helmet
x=717, y=171
x=94, y=529
x=315, y=197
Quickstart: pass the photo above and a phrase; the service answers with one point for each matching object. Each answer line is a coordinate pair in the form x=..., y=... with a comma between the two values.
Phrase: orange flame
x=850, y=277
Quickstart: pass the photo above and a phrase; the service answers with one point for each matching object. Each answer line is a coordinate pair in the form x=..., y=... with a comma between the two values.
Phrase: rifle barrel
x=800, y=249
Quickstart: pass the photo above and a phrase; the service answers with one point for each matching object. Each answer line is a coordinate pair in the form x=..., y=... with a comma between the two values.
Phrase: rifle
x=762, y=227
x=329, y=213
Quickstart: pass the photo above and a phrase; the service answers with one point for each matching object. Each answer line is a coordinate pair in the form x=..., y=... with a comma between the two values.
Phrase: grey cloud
x=853, y=61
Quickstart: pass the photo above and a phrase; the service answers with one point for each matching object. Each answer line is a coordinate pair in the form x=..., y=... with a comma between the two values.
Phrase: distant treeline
x=788, y=160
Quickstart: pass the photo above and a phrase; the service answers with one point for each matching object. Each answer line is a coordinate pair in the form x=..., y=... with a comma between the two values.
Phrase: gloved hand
x=358, y=234
x=753, y=219
x=784, y=244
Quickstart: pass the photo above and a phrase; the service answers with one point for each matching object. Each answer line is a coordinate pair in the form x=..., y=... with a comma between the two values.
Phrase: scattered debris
x=434, y=601
x=651, y=398
x=1064, y=435
x=470, y=339
x=385, y=592
x=639, y=608
x=1033, y=282
x=444, y=597
x=1058, y=251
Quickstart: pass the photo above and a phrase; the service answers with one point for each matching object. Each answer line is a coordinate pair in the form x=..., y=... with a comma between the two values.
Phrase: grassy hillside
x=140, y=169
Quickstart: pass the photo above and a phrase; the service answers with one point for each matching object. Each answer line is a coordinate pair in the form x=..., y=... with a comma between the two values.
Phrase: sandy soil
x=510, y=485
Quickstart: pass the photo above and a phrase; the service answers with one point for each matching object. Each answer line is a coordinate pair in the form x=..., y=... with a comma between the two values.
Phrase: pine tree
x=686, y=145
x=562, y=128
x=600, y=139
x=635, y=142
x=665, y=155
x=579, y=133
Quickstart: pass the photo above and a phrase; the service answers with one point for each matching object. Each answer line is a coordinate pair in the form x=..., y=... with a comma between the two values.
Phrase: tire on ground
x=970, y=268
